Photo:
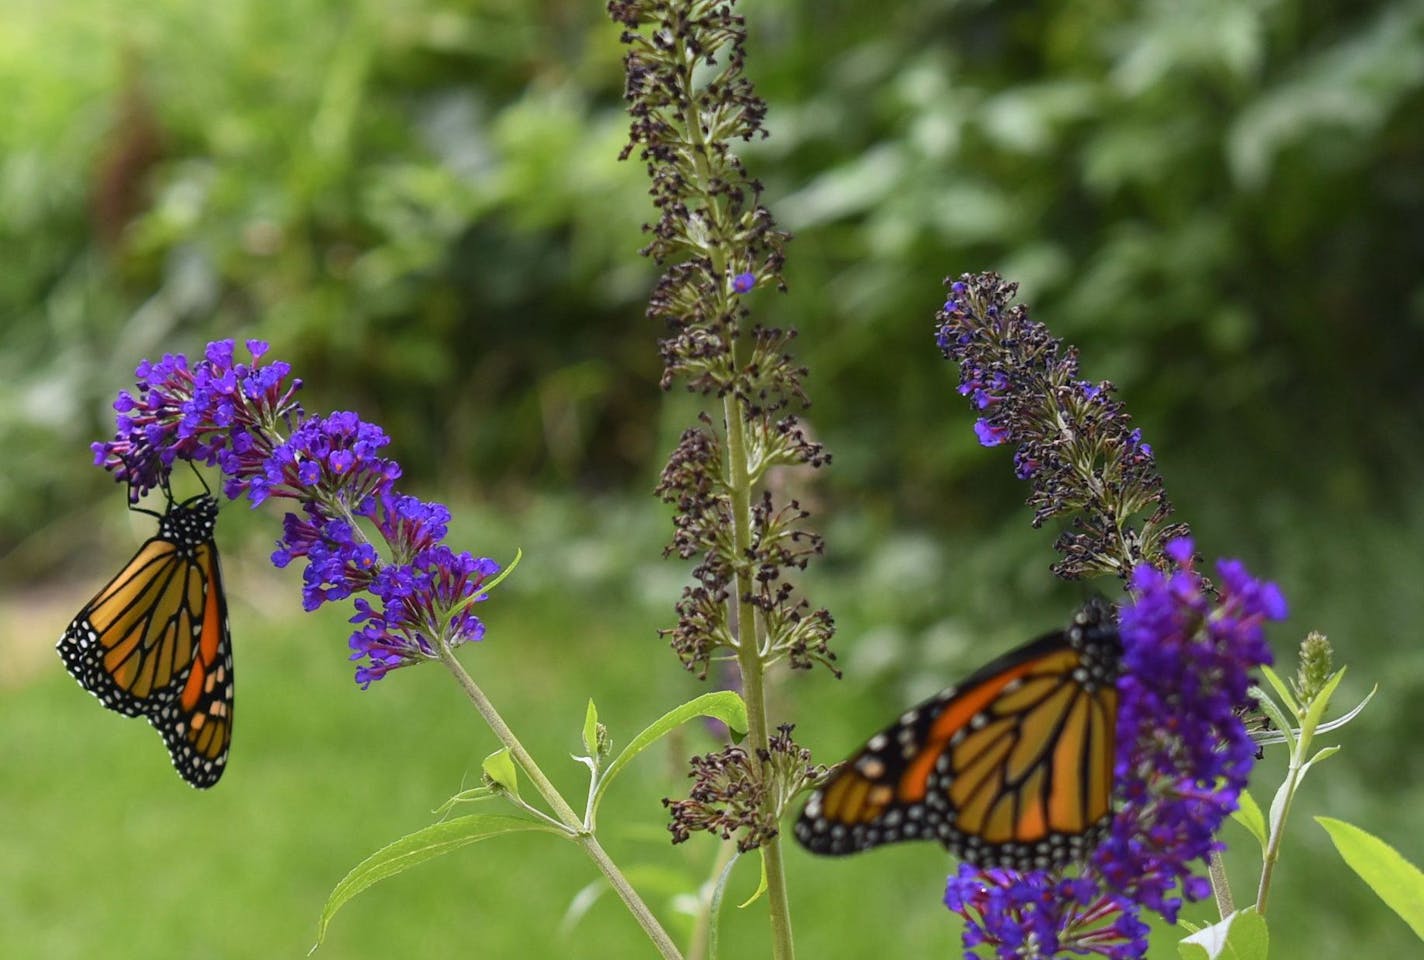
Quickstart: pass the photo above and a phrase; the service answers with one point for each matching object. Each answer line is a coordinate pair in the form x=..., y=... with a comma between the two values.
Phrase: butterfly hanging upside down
x=154, y=642
x=1011, y=768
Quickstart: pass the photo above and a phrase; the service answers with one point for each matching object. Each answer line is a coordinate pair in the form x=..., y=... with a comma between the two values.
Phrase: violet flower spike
x=1074, y=442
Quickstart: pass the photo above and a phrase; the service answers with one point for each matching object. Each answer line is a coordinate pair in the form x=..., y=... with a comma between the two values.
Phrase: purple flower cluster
x=242, y=418
x=1074, y=442
x=336, y=454
x=1039, y=914
x=219, y=412
x=1187, y=657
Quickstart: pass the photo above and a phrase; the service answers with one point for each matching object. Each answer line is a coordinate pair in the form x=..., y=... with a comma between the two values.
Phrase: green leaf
x=500, y=770
x=1324, y=753
x=761, y=888
x=1286, y=725
x=714, y=906
x=1282, y=690
x=1240, y=936
x=590, y=730
x=1249, y=815
x=1395, y=880
x=426, y=844
x=1316, y=710
x=724, y=705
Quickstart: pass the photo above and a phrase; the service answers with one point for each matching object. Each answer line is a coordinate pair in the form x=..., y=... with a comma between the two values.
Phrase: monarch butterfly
x=1011, y=768
x=154, y=642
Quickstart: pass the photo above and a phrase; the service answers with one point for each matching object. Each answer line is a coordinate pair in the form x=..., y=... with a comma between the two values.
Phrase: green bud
x=1316, y=663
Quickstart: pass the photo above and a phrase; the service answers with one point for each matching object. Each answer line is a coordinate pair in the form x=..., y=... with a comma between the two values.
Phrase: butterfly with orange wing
x=1011, y=768
x=154, y=642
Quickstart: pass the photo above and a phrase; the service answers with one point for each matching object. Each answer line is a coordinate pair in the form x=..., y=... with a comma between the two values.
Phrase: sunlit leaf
x=1396, y=881
x=500, y=768
x=724, y=705
x=416, y=848
x=1249, y=815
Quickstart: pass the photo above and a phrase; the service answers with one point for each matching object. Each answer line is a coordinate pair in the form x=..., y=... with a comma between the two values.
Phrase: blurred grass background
x=418, y=202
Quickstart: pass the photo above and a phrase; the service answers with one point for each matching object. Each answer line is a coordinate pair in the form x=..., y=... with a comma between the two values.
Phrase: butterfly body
x=1012, y=767
x=154, y=642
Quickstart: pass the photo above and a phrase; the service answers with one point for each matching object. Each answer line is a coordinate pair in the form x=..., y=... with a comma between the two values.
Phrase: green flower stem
x=561, y=808
x=1273, y=845
x=1220, y=884
x=749, y=657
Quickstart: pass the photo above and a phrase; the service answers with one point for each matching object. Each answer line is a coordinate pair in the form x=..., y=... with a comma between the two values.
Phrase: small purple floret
x=990, y=434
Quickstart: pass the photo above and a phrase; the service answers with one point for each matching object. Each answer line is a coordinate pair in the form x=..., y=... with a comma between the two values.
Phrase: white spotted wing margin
x=1012, y=767
x=154, y=642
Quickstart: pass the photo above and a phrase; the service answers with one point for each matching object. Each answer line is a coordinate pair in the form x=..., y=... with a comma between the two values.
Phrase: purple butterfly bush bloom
x=1187, y=654
x=1073, y=441
x=242, y=418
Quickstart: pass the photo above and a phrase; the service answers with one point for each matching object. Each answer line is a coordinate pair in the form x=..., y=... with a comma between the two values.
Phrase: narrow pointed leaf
x=590, y=729
x=1316, y=710
x=1282, y=690
x=714, y=906
x=426, y=844
x=1324, y=753
x=1284, y=724
x=721, y=704
x=1249, y=815
x=761, y=888
x=473, y=795
x=1395, y=880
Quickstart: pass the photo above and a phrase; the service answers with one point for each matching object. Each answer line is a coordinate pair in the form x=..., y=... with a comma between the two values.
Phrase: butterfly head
x=190, y=522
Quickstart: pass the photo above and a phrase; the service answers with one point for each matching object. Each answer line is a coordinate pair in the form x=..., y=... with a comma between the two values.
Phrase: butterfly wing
x=154, y=642
x=1013, y=767
x=128, y=644
x=196, y=725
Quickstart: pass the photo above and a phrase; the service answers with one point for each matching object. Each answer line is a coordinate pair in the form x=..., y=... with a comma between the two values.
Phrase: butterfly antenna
x=199, y=474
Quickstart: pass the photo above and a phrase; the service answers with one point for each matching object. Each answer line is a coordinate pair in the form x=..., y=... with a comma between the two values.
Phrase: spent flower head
x=243, y=418
x=740, y=794
x=690, y=101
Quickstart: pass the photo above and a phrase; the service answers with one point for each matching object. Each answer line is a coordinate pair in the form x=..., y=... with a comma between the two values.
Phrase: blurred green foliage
x=418, y=202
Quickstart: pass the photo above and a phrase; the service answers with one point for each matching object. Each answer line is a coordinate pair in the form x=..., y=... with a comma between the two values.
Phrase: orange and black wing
x=154, y=642
x=1012, y=768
